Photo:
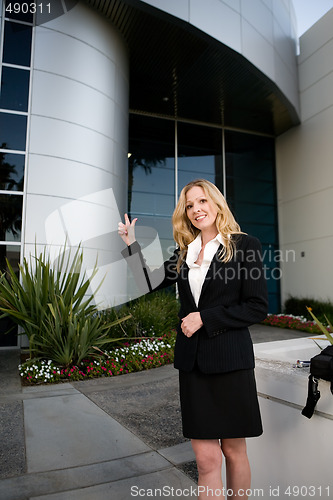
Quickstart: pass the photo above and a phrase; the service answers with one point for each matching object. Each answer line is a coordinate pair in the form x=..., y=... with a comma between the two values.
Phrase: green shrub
x=52, y=307
x=154, y=314
x=298, y=307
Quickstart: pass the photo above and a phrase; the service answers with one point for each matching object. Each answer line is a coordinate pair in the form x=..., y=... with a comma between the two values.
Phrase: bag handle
x=313, y=396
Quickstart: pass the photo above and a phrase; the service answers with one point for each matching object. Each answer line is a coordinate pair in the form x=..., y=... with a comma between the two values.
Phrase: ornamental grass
x=51, y=304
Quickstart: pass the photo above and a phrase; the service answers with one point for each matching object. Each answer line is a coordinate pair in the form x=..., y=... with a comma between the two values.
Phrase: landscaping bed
x=132, y=356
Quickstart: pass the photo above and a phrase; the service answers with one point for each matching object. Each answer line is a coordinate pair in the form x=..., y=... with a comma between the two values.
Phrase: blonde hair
x=184, y=232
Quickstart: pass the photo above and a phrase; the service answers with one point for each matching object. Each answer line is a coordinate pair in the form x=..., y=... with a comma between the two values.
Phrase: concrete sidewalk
x=99, y=439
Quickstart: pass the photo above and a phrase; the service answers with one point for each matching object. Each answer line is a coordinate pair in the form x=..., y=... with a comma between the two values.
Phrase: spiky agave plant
x=53, y=307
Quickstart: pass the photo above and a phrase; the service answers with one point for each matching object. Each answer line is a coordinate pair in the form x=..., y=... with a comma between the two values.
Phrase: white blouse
x=197, y=274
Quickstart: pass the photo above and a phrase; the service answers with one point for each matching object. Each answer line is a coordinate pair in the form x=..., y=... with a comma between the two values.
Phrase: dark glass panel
x=14, y=89
x=152, y=190
x=251, y=187
x=250, y=213
x=13, y=129
x=8, y=333
x=251, y=194
x=11, y=171
x=12, y=253
x=19, y=13
x=17, y=44
x=10, y=217
x=199, y=154
x=151, y=182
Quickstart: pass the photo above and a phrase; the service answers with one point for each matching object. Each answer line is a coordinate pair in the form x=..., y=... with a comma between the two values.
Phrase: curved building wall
x=263, y=31
x=78, y=133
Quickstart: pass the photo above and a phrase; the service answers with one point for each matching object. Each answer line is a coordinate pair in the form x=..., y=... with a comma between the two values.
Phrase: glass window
x=13, y=130
x=151, y=181
x=199, y=154
x=17, y=44
x=12, y=253
x=11, y=171
x=250, y=173
x=14, y=89
x=251, y=194
x=8, y=333
x=10, y=217
x=250, y=179
x=19, y=15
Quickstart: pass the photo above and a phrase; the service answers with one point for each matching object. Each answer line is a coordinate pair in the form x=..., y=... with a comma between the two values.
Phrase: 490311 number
x=307, y=491
x=28, y=8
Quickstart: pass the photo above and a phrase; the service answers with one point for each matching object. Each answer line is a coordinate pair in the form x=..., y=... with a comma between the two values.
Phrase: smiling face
x=200, y=211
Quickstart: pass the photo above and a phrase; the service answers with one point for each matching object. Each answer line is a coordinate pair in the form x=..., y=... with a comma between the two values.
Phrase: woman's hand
x=126, y=231
x=191, y=323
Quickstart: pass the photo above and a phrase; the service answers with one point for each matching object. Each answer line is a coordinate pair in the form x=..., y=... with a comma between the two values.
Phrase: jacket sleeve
x=251, y=306
x=146, y=280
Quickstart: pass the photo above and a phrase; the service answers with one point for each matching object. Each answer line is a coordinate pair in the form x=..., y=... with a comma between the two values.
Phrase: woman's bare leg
x=209, y=462
x=238, y=471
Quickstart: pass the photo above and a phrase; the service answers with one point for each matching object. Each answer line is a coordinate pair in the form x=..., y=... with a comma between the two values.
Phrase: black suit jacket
x=233, y=297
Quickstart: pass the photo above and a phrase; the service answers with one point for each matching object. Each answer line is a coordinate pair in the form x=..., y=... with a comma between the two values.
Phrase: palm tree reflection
x=10, y=204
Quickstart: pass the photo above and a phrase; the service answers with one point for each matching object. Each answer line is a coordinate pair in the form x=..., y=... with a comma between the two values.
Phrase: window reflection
x=151, y=174
x=11, y=171
x=251, y=193
x=13, y=131
x=12, y=253
x=249, y=170
x=199, y=154
x=14, y=89
x=151, y=188
x=10, y=217
x=17, y=44
x=250, y=176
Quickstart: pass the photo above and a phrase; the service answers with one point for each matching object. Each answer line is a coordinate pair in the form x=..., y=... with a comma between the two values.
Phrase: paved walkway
x=100, y=439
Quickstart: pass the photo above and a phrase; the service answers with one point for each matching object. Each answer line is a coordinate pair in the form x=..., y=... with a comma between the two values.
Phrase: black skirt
x=219, y=405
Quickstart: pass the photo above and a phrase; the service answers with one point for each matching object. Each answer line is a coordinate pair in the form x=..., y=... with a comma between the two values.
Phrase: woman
x=222, y=290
